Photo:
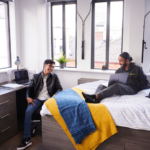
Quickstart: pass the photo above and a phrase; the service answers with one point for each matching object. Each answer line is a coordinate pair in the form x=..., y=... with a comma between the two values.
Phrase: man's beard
x=125, y=64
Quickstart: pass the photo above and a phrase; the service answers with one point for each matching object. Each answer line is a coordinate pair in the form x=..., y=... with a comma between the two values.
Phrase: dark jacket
x=36, y=85
x=136, y=79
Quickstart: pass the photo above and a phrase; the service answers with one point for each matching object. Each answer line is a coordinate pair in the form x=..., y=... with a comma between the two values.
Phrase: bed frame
x=54, y=138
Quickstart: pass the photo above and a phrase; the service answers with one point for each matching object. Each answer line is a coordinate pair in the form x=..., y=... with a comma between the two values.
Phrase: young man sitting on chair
x=136, y=81
x=42, y=86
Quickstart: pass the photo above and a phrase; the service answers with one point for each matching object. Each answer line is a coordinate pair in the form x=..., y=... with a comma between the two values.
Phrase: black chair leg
x=33, y=131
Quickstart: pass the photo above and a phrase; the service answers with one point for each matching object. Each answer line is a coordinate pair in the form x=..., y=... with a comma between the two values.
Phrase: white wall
x=33, y=33
x=134, y=11
x=33, y=30
x=132, y=40
x=133, y=28
x=137, y=11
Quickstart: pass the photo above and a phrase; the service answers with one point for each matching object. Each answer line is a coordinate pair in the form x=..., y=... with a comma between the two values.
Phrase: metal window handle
x=82, y=49
x=145, y=45
x=5, y=116
x=4, y=102
x=5, y=129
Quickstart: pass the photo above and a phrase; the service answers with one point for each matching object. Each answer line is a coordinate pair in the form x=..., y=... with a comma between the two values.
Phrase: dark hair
x=49, y=61
x=126, y=55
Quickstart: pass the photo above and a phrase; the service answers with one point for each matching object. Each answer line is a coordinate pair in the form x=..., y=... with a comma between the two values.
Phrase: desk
x=12, y=109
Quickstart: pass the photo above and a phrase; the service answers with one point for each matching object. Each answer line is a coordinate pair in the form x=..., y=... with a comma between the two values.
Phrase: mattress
x=132, y=111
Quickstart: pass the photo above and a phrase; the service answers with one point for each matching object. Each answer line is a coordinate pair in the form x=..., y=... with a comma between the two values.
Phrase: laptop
x=21, y=77
x=118, y=78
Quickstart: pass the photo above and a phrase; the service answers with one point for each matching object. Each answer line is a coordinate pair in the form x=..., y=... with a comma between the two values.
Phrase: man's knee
x=101, y=87
x=29, y=112
x=116, y=85
x=117, y=88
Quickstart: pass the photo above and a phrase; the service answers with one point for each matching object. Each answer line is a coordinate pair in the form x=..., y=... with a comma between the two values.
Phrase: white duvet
x=131, y=111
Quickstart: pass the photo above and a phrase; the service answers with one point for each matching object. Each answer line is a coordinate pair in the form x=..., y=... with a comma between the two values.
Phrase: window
x=107, y=18
x=5, y=55
x=63, y=29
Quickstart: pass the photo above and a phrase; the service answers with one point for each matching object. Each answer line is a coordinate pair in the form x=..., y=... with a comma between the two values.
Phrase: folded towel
x=76, y=114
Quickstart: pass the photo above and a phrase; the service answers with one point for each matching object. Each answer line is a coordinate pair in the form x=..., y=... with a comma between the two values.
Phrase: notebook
x=118, y=78
x=21, y=77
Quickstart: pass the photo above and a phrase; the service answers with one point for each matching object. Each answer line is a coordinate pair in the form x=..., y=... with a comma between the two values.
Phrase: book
x=12, y=86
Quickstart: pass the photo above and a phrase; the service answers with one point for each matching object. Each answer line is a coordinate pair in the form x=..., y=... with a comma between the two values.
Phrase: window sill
x=85, y=71
x=89, y=71
x=12, y=69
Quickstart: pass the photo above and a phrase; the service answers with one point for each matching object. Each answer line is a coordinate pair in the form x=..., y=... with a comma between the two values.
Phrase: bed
x=131, y=114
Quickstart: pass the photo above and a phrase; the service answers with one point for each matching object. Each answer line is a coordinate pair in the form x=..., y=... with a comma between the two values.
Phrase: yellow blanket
x=105, y=126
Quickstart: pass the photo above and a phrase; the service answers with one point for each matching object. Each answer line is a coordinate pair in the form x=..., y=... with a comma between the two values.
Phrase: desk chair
x=36, y=118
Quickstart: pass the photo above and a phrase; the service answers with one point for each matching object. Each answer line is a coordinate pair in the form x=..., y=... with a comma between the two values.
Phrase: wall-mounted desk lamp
x=144, y=43
x=83, y=22
x=17, y=62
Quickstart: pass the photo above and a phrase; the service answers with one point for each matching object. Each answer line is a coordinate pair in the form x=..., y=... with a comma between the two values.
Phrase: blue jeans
x=28, y=116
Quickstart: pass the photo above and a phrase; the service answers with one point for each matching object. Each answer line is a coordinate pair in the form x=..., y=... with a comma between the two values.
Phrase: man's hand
x=30, y=101
x=53, y=95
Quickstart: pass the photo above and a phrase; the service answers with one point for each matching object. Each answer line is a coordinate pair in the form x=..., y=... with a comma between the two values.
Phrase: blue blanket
x=76, y=114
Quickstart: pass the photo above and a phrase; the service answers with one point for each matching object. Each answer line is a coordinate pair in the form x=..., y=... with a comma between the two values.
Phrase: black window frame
x=9, y=42
x=107, y=32
x=64, y=29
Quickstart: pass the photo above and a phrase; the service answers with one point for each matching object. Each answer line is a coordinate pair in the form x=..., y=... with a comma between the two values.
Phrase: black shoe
x=24, y=144
x=87, y=95
x=84, y=95
x=148, y=96
x=90, y=100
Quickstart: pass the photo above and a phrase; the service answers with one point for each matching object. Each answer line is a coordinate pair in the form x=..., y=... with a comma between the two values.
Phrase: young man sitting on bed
x=42, y=86
x=136, y=81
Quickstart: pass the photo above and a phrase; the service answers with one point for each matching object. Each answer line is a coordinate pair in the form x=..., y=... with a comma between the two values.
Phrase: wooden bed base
x=54, y=138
